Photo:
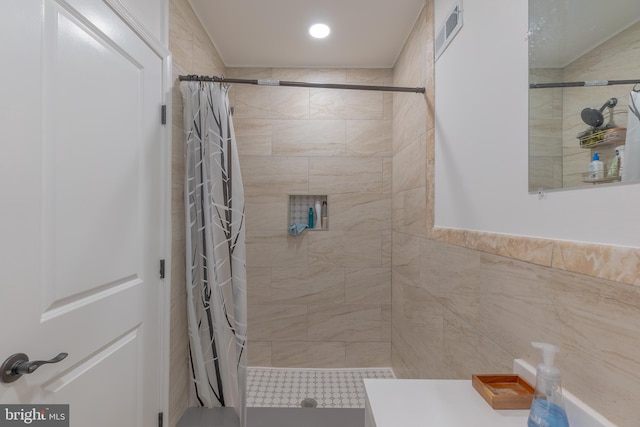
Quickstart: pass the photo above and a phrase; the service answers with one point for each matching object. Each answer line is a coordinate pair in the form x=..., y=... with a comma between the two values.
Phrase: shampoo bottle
x=596, y=168
x=324, y=216
x=620, y=157
x=318, y=214
x=614, y=169
x=547, y=408
x=310, y=223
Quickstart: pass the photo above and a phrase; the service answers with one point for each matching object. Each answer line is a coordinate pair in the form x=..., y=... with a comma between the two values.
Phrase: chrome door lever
x=18, y=365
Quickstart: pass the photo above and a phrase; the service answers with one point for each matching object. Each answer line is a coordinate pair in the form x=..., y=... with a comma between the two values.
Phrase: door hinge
x=163, y=117
x=160, y=419
x=162, y=269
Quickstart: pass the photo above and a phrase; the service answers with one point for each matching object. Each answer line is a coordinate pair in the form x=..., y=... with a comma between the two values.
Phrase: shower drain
x=308, y=403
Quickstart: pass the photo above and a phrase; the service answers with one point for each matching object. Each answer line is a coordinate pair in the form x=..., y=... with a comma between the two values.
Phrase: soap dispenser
x=547, y=408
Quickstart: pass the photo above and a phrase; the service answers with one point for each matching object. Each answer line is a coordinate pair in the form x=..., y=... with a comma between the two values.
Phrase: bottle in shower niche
x=323, y=218
x=317, y=212
x=310, y=223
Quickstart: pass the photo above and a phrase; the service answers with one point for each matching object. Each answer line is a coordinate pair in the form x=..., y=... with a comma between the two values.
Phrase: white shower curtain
x=215, y=249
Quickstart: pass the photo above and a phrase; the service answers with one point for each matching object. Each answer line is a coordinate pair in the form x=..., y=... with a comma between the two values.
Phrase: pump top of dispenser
x=596, y=156
x=547, y=408
x=546, y=368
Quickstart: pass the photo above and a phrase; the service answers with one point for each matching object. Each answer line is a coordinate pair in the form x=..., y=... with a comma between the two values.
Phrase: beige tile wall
x=321, y=299
x=545, y=131
x=469, y=302
x=192, y=53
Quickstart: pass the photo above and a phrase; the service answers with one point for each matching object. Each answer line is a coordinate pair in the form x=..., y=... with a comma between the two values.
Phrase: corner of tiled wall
x=192, y=53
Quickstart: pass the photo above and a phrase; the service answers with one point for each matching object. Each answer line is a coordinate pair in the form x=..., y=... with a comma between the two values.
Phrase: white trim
x=166, y=305
x=139, y=28
x=163, y=52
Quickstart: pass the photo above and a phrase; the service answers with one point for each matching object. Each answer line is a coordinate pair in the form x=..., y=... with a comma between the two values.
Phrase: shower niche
x=302, y=210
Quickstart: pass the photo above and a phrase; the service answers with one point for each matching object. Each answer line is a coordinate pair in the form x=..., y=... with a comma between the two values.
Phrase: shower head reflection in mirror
x=594, y=117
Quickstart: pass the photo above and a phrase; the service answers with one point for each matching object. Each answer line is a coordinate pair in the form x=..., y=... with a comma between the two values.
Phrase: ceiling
x=274, y=33
x=562, y=31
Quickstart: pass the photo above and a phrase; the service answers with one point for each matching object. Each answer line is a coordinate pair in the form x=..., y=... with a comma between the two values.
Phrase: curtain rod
x=588, y=83
x=193, y=77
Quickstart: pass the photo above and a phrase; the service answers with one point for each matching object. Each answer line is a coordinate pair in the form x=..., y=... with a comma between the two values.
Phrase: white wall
x=481, y=141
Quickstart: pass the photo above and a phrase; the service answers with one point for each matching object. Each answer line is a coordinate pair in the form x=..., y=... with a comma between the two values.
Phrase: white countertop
x=433, y=403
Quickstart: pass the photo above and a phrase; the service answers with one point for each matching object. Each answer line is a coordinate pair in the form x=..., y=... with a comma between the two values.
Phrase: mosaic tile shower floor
x=330, y=388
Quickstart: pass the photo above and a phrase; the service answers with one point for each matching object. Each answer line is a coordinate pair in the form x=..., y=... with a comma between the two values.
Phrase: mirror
x=584, y=63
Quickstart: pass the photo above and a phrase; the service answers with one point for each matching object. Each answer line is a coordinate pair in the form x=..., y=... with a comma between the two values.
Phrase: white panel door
x=81, y=225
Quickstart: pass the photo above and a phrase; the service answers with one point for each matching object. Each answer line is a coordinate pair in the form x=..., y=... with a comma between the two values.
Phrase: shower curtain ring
x=223, y=84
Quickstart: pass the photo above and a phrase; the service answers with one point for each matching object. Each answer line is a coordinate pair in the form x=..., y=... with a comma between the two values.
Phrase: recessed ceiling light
x=319, y=31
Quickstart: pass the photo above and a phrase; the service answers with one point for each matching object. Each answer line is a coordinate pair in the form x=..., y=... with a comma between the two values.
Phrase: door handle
x=18, y=365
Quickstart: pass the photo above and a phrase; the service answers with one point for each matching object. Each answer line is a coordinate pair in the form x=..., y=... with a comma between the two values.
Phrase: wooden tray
x=504, y=391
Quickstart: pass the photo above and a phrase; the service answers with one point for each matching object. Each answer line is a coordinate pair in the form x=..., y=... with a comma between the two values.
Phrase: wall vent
x=449, y=28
